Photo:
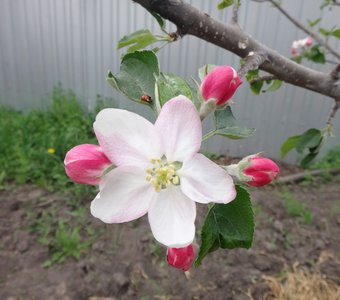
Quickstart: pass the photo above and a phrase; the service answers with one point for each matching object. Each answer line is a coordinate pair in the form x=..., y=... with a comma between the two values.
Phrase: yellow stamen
x=162, y=174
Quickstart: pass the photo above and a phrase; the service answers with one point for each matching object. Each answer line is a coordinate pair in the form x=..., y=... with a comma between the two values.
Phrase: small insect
x=146, y=98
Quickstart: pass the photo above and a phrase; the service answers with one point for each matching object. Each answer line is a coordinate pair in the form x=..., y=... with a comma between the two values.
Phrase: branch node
x=252, y=62
x=335, y=73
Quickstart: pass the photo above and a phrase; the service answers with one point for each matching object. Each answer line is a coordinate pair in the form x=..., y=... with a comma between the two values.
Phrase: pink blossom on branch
x=220, y=84
x=299, y=44
x=181, y=258
x=158, y=171
x=86, y=164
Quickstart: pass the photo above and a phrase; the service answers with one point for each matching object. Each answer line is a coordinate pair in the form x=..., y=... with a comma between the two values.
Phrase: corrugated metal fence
x=43, y=42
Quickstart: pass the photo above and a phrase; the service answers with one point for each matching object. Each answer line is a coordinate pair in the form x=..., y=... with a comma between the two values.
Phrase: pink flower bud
x=309, y=41
x=220, y=84
x=293, y=51
x=86, y=164
x=181, y=258
x=260, y=170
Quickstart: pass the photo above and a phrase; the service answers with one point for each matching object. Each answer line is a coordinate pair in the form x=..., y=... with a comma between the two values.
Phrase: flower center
x=163, y=174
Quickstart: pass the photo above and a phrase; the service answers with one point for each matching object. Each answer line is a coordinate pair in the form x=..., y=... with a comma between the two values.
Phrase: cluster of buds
x=88, y=164
x=301, y=45
x=254, y=170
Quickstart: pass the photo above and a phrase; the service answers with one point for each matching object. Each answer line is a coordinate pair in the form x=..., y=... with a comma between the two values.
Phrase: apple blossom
x=158, y=171
x=86, y=164
x=254, y=170
x=307, y=42
x=181, y=258
x=220, y=84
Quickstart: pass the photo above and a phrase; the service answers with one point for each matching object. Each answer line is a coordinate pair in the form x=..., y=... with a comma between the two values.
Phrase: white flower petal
x=172, y=218
x=180, y=128
x=126, y=138
x=204, y=181
x=124, y=195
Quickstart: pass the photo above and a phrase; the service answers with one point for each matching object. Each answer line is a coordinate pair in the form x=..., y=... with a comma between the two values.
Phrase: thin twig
x=301, y=176
x=234, y=19
x=305, y=29
x=331, y=62
x=333, y=111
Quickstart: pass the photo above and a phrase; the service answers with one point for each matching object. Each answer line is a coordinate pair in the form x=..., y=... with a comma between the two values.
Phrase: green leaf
x=324, y=31
x=170, y=86
x=228, y=226
x=138, y=40
x=313, y=23
x=256, y=87
x=288, y=145
x=202, y=72
x=308, y=158
x=224, y=4
x=316, y=55
x=137, y=76
x=336, y=33
x=275, y=85
x=309, y=139
x=159, y=19
x=227, y=126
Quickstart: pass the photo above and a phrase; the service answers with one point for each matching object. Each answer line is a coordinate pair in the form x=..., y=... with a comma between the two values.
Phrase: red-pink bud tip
x=220, y=84
x=86, y=164
x=309, y=41
x=262, y=171
x=181, y=258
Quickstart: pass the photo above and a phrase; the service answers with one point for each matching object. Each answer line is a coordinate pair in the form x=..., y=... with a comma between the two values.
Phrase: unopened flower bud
x=220, y=84
x=86, y=164
x=255, y=170
x=262, y=171
x=309, y=41
x=181, y=258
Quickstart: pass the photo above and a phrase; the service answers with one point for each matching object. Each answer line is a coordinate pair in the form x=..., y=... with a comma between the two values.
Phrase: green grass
x=329, y=161
x=66, y=243
x=297, y=209
x=26, y=138
x=66, y=237
x=25, y=158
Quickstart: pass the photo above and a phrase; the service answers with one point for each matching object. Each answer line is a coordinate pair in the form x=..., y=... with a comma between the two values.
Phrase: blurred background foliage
x=33, y=145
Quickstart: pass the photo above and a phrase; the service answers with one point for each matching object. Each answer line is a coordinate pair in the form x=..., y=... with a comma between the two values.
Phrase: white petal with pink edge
x=124, y=196
x=172, y=217
x=127, y=138
x=180, y=128
x=204, y=181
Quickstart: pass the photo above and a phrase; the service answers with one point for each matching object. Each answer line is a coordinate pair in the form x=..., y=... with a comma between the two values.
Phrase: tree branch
x=263, y=78
x=335, y=73
x=298, y=24
x=189, y=20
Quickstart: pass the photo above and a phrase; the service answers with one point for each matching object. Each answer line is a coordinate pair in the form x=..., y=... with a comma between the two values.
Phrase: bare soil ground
x=124, y=262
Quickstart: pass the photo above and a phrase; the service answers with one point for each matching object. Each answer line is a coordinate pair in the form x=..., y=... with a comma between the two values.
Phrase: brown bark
x=189, y=20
